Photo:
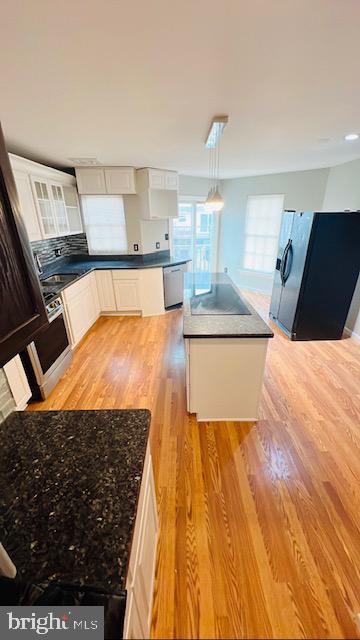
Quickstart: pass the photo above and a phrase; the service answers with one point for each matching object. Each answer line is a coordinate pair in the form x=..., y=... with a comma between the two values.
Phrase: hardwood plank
x=259, y=523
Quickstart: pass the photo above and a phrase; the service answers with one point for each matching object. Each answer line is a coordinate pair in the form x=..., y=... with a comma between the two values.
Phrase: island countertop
x=213, y=308
x=69, y=487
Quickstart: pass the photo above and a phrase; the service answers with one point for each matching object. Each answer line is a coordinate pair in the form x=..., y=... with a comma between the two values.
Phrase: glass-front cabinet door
x=59, y=209
x=45, y=208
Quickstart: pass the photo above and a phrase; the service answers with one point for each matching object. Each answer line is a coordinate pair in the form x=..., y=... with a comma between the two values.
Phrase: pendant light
x=214, y=201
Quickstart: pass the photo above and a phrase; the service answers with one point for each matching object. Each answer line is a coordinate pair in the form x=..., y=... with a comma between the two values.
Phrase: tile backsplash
x=7, y=404
x=67, y=245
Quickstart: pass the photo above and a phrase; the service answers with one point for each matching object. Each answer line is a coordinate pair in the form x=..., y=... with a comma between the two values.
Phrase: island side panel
x=141, y=569
x=225, y=377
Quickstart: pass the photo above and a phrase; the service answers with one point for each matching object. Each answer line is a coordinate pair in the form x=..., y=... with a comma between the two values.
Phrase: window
x=194, y=236
x=104, y=219
x=263, y=217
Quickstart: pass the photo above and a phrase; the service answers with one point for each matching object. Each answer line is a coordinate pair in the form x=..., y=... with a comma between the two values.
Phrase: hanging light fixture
x=214, y=201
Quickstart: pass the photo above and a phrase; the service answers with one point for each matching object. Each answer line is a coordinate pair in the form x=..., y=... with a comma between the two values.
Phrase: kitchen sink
x=59, y=278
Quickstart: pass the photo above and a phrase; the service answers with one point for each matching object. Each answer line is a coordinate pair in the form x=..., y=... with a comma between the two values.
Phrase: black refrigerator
x=316, y=271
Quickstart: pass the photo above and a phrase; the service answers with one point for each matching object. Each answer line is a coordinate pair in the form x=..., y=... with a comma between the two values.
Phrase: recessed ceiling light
x=351, y=136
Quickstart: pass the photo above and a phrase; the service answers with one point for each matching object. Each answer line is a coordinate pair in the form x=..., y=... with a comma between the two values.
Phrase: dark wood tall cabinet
x=22, y=310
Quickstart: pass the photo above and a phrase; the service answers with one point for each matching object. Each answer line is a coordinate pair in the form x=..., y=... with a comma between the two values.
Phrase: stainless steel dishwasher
x=173, y=284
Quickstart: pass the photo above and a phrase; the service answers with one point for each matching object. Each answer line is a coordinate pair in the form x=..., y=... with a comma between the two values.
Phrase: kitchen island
x=226, y=343
x=78, y=506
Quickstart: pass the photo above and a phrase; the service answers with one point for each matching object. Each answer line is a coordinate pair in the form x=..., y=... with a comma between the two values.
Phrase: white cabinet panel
x=18, y=382
x=145, y=568
x=72, y=209
x=106, y=180
x=132, y=628
x=91, y=180
x=62, y=225
x=171, y=180
x=152, y=292
x=42, y=196
x=141, y=573
x=81, y=306
x=95, y=297
x=27, y=205
x=105, y=289
x=156, y=179
x=157, y=193
x=120, y=180
x=127, y=295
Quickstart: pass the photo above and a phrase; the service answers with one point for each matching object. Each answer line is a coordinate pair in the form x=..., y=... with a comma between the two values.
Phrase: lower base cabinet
x=81, y=306
x=126, y=289
x=112, y=292
x=141, y=571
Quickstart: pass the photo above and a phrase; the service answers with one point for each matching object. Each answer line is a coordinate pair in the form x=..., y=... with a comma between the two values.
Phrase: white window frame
x=276, y=236
x=194, y=200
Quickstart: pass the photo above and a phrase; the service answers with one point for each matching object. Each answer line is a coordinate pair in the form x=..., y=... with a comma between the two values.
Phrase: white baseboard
x=352, y=334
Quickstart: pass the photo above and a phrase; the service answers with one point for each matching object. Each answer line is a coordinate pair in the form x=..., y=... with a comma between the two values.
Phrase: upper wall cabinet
x=105, y=180
x=27, y=205
x=58, y=208
x=23, y=312
x=49, y=203
x=158, y=193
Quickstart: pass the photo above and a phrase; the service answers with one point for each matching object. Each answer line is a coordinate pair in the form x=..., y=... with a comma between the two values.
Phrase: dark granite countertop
x=81, y=265
x=69, y=486
x=214, y=308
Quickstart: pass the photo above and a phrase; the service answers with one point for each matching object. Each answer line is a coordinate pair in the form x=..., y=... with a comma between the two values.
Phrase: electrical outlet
x=57, y=253
x=136, y=247
x=225, y=269
x=158, y=245
x=166, y=236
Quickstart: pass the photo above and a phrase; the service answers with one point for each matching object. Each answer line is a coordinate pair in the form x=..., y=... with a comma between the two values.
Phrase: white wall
x=194, y=187
x=144, y=233
x=343, y=192
x=343, y=187
x=303, y=190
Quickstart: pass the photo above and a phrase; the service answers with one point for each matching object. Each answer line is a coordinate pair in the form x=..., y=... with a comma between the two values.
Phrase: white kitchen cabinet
x=61, y=221
x=95, y=296
x=57, y=206
x=126, y=295
x=157, y=193
x=141, y=571
x=27, y=205
x=81, y=307
x=171, y=180
x=72, y=209
x=152, y=291
x=159, y=179
x=127, y=290
x=44, y=206
x=105, y=287
x=18, y=382
x=105, y=180
x=120, y=180
x=90, y=180
x=156, y=178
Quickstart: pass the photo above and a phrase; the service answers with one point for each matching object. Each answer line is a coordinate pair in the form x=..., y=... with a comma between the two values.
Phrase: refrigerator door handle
x=288, y=260
x=283, y=261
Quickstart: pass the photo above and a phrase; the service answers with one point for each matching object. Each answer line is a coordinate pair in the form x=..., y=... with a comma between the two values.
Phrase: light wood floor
x=259, y=522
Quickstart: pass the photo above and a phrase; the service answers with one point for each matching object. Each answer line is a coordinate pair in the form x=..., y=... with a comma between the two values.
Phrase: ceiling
x=137, y=83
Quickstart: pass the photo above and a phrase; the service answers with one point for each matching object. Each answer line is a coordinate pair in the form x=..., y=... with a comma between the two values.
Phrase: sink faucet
x=38, y=262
